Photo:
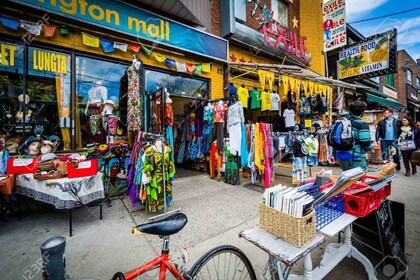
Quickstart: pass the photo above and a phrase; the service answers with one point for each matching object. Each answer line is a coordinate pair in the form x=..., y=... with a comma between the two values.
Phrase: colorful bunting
x=146, y=51
x=90, y=41
x=64, y=30
x=159, y=58
x=180, y=66
x=121, y=46
x=170, y=62
x=33, y=28
x=9, y=23
x=190, y=67
x=197, y=70
x=134, y=48
x=107, y=46
x=49, y=30
x=206, y=67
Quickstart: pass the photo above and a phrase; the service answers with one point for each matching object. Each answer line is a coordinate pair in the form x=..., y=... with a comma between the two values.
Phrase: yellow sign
x=308, y=123
x=49, y=61
x=7, y=55
x=367, y=57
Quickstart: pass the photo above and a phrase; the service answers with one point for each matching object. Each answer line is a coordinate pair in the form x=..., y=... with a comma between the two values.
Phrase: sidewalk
x=217, y=212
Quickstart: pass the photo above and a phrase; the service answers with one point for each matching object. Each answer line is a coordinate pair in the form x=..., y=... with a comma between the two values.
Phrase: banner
x=374, y=56
x=334, y=19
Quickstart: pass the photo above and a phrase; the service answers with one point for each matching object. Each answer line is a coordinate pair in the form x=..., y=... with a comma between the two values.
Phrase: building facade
x=56, y=56
x=405, y=84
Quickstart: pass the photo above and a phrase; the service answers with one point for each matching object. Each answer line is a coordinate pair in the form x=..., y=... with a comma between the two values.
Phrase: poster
x=334, y=19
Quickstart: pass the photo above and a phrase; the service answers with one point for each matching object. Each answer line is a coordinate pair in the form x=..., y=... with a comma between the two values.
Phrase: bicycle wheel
x=224, y=262
x=118, y=276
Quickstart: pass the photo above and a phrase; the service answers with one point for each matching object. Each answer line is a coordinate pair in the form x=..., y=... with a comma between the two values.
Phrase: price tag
x=22, y=161
x=84, y=164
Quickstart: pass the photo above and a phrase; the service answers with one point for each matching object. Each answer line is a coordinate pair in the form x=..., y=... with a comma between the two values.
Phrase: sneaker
x=385, y=162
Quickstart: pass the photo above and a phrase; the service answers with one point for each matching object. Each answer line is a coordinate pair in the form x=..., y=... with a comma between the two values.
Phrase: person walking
x=409, y=132
x=387, y=132
x=362, y=139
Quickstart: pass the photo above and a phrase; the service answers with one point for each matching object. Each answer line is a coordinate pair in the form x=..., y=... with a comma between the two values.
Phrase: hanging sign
x=49, y=61
x=131, y=20
x=374, y=56
x=334, y=19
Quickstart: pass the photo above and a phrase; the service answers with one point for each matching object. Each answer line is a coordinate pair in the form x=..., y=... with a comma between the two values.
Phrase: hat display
x=105, y=151
x=49, y=143
x=110, y=102
x=47, y=157
x=30, y=140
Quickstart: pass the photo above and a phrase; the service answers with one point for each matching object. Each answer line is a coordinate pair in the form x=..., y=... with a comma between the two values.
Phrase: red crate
x=21, y=165
x=360, y=205
x=85, y=168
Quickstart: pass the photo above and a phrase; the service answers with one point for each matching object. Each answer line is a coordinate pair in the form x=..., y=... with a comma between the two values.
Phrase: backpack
x=304, y=107
x=340, y=135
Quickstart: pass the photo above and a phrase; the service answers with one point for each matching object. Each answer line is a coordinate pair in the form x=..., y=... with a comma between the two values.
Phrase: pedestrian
x=362, y=140
x=418, y=124
x=410, y=133
x=387, y=132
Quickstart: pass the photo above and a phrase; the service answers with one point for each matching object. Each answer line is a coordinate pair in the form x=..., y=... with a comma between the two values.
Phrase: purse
x=415, y=157
x=407, y=145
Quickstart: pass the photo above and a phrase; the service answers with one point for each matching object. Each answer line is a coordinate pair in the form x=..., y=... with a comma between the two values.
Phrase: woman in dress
x=409, y=132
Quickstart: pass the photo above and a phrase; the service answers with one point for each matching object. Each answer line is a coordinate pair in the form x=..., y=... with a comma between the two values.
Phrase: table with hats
x=66, y=182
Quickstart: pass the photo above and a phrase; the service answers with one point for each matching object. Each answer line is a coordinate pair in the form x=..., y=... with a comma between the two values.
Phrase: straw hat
x=49, y=143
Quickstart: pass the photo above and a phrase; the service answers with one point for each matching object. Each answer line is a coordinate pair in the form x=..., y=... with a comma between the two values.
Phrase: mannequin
x=32, y=146
x=109, y=107
x=47, y=147
x=98, y=93
x=23, y=109
x=168, y=99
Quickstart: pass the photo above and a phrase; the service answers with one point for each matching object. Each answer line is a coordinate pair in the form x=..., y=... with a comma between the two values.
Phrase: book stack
x=288, y=200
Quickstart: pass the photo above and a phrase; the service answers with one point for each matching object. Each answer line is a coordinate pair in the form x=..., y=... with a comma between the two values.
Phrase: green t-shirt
x=255, y=99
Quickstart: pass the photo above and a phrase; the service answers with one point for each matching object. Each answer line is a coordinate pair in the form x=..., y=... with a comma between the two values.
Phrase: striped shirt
x=362, y=138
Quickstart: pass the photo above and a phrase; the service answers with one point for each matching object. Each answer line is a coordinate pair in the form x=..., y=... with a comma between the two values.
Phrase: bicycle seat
x=167, y=226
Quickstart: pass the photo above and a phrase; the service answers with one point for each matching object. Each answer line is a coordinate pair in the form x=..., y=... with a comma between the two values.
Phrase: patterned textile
x=207, y=133
x=219, y=113
x=231, y=171
x=135, y=100
x=235, y=114
x=153, y=169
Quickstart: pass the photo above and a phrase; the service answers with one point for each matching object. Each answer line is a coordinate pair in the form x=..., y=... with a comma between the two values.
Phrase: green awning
x=371, y=91
x=384, y=101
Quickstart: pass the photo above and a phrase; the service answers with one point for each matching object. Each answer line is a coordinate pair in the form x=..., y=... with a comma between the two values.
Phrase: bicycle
x=222, y=262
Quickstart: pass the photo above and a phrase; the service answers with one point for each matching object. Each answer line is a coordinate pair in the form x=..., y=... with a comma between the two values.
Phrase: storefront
x=68, y=61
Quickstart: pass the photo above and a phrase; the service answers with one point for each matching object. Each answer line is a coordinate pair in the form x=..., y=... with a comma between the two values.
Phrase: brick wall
x=310, y=22
x=215, y=17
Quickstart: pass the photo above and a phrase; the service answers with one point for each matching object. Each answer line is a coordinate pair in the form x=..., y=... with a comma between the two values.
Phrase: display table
x=281, y=251
x=63, y=193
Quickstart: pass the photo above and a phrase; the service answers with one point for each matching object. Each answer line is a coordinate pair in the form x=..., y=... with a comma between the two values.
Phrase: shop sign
x=49, y=61
x=7, y=54
x=128, y=19
x=411, y=93
x=334, y=18
x=389, y=92
x=374, y=56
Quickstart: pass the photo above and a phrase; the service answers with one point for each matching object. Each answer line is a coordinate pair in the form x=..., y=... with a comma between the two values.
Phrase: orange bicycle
x=222, y=262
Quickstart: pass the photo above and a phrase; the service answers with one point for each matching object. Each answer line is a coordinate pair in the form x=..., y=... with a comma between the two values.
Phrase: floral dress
x=135, y=100
x=152, y=168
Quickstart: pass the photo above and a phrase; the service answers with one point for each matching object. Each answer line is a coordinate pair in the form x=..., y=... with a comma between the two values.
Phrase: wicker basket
x=62, y=167
x=297, y=231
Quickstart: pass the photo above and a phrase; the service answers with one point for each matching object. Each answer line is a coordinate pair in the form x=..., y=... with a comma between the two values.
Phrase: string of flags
x=106, y=45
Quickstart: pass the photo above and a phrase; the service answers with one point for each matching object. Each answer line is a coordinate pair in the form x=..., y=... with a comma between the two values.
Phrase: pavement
x=217, y=213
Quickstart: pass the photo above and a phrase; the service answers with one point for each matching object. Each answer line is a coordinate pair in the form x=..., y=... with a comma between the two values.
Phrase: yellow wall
x=74, y=41
x=311, y=26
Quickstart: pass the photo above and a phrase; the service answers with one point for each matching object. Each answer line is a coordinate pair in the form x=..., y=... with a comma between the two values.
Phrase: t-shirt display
x=255, y=99
x=243, y=96
x=289, y=117
x=275, y=99
x=232, y=89
x=265, y=101
x=219, y=112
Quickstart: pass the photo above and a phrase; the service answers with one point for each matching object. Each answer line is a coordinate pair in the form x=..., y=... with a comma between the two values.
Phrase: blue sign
x=134, y=21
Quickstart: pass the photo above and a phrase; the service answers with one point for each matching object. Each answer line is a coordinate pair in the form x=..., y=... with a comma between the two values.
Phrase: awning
x=372, y=91
x=384, y=101
x=414, y=104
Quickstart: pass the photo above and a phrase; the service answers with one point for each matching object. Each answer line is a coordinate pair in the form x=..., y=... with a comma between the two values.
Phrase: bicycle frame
x=163, y=262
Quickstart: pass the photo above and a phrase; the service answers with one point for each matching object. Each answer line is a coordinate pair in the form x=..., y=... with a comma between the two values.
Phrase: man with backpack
x=387, y=132
x=350, y=137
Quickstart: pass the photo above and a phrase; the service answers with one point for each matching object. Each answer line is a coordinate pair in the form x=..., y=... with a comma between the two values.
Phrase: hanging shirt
x=265, y=101
x=232, y=90
x=312, y=144
x=219, y=113
x=243, y=96
x=235, y=114
x=289, y=117
x=208, y=114
x=275, y=99
x=255, y=99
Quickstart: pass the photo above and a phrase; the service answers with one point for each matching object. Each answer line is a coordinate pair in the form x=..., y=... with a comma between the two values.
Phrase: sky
x=407, y=24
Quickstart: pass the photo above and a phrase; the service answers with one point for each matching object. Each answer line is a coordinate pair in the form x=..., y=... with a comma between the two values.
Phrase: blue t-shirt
x=389, y=130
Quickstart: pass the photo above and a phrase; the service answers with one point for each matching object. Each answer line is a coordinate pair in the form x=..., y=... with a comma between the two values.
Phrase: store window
x=417, y=83
x=389, y=80
x=281, y=12
x=48, y=89
x=409, y=76
x=100, y=84
x=11, y=87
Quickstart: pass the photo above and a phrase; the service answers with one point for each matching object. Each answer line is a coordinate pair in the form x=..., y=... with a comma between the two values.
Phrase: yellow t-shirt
x=265, y=101
x=243, y=96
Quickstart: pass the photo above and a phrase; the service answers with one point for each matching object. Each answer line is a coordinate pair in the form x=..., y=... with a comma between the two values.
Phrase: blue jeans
x=385, y=145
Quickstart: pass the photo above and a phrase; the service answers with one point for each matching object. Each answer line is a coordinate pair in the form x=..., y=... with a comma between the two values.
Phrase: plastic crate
x=360, y=205
x=329, y=210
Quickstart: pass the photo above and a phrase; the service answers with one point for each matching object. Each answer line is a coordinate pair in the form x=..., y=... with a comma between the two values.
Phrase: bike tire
x=118, y=276
x=223, y=257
